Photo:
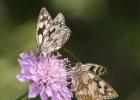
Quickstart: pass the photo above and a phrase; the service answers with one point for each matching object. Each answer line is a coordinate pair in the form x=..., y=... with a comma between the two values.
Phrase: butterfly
x=51, y=33
x=87, y=83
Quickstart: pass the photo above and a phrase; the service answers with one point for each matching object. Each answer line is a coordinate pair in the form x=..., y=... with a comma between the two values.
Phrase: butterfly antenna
x=74, y=57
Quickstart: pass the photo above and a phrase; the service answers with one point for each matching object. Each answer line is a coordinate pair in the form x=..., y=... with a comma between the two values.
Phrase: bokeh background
x=105, y=32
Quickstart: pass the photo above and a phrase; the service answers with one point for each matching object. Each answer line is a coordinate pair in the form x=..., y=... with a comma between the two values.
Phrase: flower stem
x=75, y=58
x=22, y=96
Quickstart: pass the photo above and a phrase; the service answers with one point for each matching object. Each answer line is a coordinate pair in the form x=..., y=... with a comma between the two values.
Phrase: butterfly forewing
x=95, y=68
x=51, y=34
x=43, y=25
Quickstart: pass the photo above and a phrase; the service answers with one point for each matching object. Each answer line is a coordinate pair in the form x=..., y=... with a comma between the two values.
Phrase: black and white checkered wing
x=43, y=27
x=59, y=34
x=51, y=34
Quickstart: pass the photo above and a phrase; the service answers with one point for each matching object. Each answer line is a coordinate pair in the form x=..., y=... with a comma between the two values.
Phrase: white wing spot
x=102, y=91
x=102, y=84
x=92, y=76
x=47, y=25
x=40, y=38
x=45, y=32
x=95, y=69
x=40, y=17
x=41, y=25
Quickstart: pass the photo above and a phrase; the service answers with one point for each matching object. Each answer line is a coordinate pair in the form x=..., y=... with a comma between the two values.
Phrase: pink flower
x=47, y=76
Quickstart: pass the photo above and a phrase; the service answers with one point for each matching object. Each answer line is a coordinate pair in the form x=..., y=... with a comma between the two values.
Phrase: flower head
x=47, y=76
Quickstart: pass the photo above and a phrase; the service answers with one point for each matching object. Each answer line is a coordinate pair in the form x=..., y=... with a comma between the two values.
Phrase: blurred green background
x=105, y=32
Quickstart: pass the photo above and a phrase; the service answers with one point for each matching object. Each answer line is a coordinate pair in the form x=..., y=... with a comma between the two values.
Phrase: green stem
x=22, y=96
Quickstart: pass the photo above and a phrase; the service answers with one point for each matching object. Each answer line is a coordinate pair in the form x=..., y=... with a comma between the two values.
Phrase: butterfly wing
x=51, y=34
x=43, y=26
x=87, y=83
x=86, y=88
x=92, y=87
x=95, y=68
x=60, y=33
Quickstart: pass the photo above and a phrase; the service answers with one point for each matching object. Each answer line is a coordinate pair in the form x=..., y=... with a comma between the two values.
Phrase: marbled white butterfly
x=51, y=34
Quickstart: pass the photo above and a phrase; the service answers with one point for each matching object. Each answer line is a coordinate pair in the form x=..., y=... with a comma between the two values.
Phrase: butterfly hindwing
x=60, y=34
x=105, y=89
x=86, y=88
x=51, y=34
x=89, y=86
x=92, y=87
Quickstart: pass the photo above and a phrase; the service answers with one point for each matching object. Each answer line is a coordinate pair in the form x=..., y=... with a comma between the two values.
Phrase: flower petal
x=48, y=76
x=21, y=78
x=33, y=90
x=43, y=95
x=49, y=91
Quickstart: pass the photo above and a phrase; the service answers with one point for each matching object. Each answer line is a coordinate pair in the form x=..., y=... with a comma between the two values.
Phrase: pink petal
x=20, y=78
x=35, y=78
x=56, y=87
x=49, y=91
x=43, y=95
x=33, y=90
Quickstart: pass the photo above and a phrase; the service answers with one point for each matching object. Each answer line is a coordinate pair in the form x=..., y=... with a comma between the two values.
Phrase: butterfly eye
x=79, y=64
